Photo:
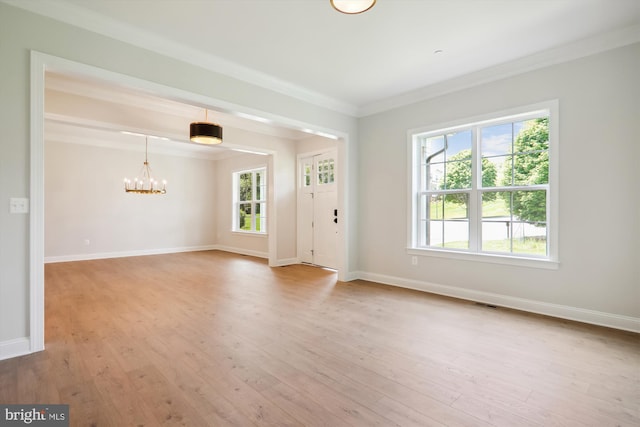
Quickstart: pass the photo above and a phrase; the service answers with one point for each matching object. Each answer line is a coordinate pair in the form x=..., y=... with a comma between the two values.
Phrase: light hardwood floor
x=216, y=339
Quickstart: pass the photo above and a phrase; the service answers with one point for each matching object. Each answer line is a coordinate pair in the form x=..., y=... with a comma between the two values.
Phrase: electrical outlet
x=18, y=205
x=414, y=260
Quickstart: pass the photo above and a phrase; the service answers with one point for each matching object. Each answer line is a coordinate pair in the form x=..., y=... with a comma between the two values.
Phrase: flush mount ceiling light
x=352, y=7
x=205, y=132
x=146, y=183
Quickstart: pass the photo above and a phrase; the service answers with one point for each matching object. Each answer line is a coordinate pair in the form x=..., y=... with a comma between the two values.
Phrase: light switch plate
x=18, y=205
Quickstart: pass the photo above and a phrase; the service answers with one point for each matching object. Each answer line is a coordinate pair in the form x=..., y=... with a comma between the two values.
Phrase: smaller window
x=250, y=201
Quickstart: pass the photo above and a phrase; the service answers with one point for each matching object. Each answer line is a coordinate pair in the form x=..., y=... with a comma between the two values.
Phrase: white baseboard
x=14, y=348
x=599, y=318
x=354, y=275
x=285, y=261
x=104, y=255
x=242, y=251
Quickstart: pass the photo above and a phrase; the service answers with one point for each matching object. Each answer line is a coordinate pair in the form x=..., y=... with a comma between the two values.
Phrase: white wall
x=281, y=173
x=85, y=201
x=316, y=144
x=599, y=98
x=21, y=32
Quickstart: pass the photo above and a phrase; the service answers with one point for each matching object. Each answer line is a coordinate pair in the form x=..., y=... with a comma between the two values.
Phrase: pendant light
x=352, y=7
x=205, y=132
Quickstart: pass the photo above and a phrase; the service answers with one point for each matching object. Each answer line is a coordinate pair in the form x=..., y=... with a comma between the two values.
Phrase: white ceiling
x=365, y=63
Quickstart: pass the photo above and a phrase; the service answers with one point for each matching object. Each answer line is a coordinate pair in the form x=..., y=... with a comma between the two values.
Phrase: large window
x=250, y=201
x=485, y=187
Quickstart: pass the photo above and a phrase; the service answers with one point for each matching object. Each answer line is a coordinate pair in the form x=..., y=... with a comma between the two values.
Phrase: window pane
x=496, y=221
x=433, y=147
x=244, y=218
x=491, y=170
x=261, y=217
x=435, y=176
x=531, y=168
x=423, y=209
x=458, y=145
x=449, y=224
x=506, y=171
x=456, y=234
x=456, y=224
x=456, y=206
x=245, y=186
x=436, y=206
x=496, y=140
x=258, y=211
x=531, y=135
x=496, y=235
x=529, y=238
x=458, y=174
x=530, y=206
x=514, y=222
x=496, y=204
x=435, y=233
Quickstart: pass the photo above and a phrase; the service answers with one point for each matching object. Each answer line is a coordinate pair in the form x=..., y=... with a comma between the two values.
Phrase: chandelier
x=352, y=7
x=145, y=183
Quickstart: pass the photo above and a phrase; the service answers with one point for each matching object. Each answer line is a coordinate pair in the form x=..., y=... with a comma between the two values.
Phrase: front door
x=318, y=214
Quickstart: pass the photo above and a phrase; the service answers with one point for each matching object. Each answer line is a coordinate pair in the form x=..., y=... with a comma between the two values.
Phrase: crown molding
x=565, y=53
x=94, y=22
x=97, y=23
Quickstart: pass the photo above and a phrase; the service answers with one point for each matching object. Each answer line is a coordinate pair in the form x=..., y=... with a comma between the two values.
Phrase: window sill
x=249, y=233
x=541, y=263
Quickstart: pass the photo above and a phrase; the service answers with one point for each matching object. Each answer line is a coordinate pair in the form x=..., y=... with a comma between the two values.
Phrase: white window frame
x=237, y=202
x=547, y=108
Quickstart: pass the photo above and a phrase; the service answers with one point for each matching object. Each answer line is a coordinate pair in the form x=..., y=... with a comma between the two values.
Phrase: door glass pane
x=331, y=175
x=307, y=175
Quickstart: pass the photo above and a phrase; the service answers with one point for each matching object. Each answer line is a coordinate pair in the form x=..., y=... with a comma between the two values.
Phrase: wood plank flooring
x=217, y=339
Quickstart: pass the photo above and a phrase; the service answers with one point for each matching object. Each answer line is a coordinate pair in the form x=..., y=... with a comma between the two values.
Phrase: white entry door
x=318, y=210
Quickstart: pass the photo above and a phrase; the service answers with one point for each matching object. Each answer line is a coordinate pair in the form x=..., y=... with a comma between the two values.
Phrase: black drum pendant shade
x=205, y=133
